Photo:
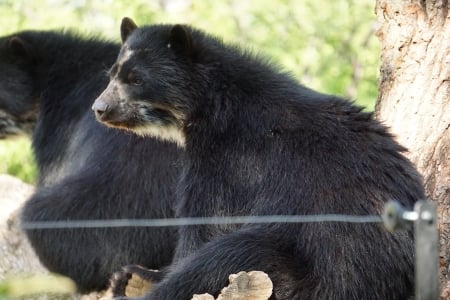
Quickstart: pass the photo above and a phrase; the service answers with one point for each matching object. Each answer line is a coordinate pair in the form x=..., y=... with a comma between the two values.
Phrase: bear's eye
x=134, y=79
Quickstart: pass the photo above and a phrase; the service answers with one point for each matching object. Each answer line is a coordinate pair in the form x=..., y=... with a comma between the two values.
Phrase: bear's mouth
x=148, y=120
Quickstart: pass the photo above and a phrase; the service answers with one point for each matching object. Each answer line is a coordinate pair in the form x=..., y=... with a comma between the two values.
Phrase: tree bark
x=414, y=97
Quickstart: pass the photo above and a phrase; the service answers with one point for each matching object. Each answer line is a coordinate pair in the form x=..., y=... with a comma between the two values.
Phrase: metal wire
x=67, y=224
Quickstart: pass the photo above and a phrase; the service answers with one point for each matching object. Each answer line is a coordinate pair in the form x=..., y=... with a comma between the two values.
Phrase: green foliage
x=16, y=159
x=35, y=285
x=328, y=45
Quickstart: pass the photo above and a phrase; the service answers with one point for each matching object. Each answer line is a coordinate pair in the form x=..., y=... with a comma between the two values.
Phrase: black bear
x=17, y=110
x=49, y=81
x=257, y=142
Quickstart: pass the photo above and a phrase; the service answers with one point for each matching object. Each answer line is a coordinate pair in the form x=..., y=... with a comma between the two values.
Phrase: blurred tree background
x=329, y=46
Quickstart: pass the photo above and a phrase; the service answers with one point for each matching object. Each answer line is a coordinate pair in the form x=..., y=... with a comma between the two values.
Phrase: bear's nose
x=100, y=108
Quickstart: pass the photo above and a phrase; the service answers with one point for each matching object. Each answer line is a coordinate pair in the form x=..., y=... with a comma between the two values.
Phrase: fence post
x=427, y=251
x=424, y=219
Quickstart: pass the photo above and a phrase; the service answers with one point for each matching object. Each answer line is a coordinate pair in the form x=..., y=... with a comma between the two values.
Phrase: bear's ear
x=126, y=28
x=20, y=49
x=180, y=40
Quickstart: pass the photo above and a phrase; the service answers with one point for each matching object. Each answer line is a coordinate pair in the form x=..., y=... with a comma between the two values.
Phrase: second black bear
x=258, y=143
x=48, y=82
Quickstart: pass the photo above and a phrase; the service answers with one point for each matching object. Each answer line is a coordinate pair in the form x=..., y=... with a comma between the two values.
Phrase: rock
x=17, y=258
x=254, y=285
x=16, y=254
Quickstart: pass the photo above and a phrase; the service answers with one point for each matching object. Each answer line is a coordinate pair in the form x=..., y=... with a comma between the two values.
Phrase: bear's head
x=18, y=103
x=153, y=83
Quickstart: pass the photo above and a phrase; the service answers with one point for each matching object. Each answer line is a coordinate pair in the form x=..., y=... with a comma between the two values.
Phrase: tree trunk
x=414, y=96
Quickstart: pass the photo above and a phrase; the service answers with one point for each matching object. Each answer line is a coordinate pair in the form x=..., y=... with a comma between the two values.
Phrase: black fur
x=86, y=171
x=18, y=104
x=259, y=143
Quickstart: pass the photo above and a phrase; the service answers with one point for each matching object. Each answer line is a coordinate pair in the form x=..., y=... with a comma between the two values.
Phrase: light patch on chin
x=168, y=133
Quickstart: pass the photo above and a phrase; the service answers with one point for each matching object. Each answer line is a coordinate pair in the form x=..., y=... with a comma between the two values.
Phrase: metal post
x=424, y=219
x=427, y=251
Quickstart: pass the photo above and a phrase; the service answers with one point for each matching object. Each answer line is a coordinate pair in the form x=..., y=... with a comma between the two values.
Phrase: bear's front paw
x=133, y=281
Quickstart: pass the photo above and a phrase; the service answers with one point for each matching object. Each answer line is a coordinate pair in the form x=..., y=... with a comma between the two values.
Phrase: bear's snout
x=100, y=108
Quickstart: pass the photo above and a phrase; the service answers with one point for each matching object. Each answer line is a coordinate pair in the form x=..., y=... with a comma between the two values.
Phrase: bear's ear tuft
x=180, y=40
x=126, y=28
x=20, y=49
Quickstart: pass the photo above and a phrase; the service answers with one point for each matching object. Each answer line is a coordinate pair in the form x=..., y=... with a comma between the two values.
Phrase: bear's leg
x=207, y=270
